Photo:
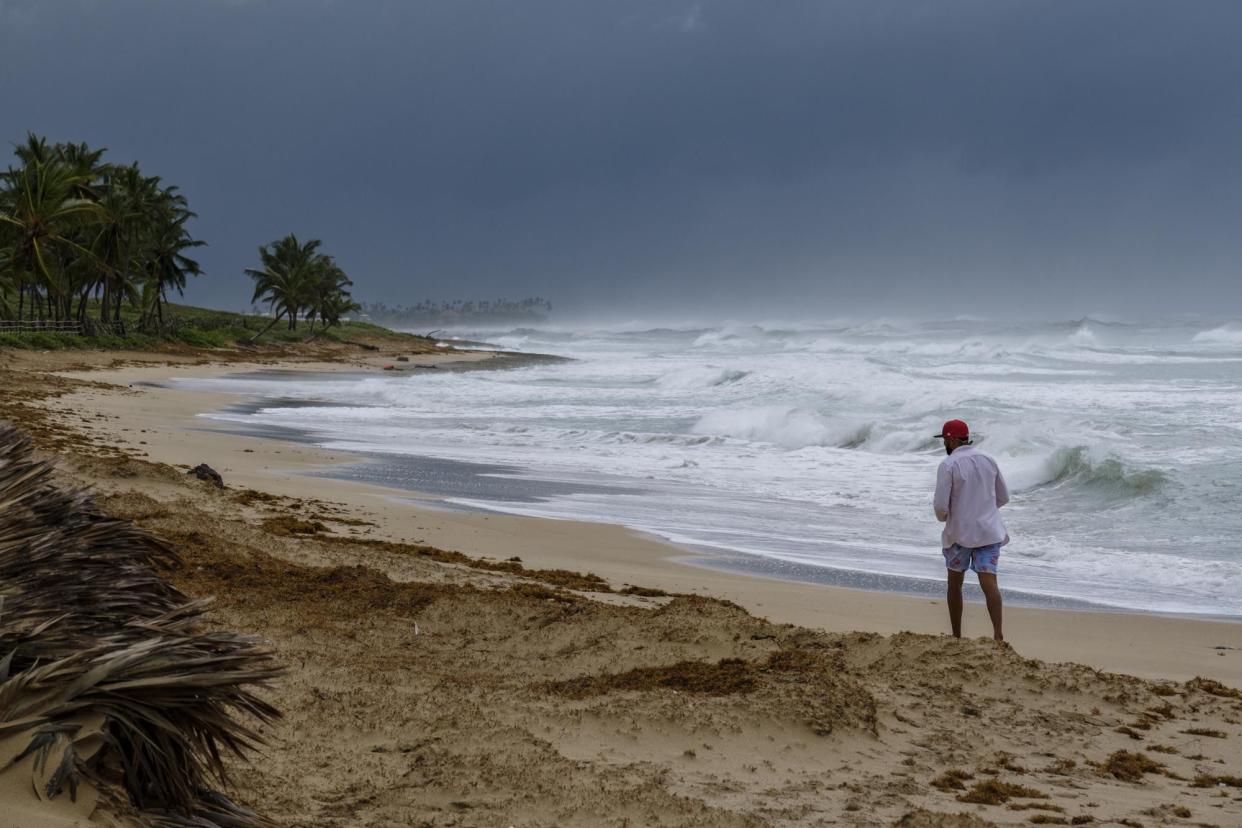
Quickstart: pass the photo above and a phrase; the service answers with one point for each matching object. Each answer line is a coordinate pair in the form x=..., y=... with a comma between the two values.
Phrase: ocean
x=806, y=451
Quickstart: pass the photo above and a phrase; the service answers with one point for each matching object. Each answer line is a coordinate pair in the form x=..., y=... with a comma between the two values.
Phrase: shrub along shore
x=200, y=328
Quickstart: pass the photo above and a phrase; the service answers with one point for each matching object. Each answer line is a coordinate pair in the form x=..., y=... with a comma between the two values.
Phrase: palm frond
x=108, y=675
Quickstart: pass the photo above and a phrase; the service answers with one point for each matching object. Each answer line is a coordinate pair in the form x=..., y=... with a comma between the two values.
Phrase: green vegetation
x=197, y=327
x=73, y=228
x=92, y=247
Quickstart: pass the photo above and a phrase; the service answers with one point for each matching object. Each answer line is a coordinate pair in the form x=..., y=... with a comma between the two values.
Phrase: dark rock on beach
x=205, y=472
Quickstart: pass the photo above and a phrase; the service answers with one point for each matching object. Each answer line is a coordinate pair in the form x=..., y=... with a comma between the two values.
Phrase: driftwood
x=113, y=692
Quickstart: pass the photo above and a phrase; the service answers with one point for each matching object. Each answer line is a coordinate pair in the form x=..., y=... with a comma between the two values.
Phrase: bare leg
x=987, y=582
x=955, y=601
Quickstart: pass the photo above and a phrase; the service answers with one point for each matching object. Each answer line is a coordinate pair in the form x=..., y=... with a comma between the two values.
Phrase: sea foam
x=813, y=443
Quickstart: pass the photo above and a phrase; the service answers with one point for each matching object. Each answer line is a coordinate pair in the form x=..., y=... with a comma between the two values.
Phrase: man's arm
x=944, y=488
x=1002, y=490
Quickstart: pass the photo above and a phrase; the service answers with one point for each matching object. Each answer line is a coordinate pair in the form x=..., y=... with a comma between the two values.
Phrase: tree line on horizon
x=459, y=310
x=82, y=238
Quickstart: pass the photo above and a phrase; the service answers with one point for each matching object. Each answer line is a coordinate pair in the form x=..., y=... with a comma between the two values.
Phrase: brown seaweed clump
x=287, y=525
x=996, y=792
x=1129, y=767
x=564, y=578
x=116, y=700
x=809, y=682
x=930, y=819
x=954, y=779
x=724, y=678
x=1213, y=688
x=1207, y=780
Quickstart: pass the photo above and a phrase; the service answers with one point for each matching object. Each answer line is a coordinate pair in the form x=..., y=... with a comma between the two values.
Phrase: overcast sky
x=803, y=157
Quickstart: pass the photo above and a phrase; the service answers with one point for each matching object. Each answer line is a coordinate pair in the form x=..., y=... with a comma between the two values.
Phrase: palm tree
x=42, y=208
x=89, y=164
x=336, y=307
x=296, y=279
x=286, y=279
x=72, y=226
x=7, y=284
x=328, y=283
x=168, y=265
x=120, y=219
x=333, y=300
x=163, y=261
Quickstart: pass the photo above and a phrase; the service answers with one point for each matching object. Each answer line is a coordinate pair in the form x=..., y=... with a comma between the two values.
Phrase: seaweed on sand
x=930, y=819
x=723, y=678
x=1129, y=767
x=563, y=578
x=287, y=525
x=110, y=684
x=1207, y=780
x=726, y=677
x=1213, y=688
x=996, y=792
x=952, y=780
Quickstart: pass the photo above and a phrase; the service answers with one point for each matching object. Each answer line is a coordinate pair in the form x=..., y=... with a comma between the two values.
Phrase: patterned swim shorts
x=980, y=559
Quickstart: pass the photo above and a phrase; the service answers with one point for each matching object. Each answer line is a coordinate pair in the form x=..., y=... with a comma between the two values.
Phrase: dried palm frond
x=108, y=677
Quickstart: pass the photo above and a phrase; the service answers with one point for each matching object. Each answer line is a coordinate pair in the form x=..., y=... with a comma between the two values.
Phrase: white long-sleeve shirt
x=970, y=490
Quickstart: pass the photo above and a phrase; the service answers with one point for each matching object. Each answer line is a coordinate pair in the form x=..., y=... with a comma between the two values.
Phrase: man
x=969, y=493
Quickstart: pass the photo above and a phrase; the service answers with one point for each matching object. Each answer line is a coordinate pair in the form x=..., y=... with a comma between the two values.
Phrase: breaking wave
x=1082, y=466
x=793, y=428
x=785, y=426
x=1083, y=335
x=707, y=377
x=1224, y=335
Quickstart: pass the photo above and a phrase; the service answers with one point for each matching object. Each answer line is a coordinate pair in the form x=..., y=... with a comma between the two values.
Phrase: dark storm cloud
x=711, y=155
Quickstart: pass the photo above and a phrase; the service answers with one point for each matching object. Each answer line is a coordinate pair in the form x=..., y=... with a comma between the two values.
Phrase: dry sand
x=434, y=688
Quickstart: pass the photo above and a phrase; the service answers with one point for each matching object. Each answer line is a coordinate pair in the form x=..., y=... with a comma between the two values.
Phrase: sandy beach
x=456, y=668
x=162, y=423
x=691, y=414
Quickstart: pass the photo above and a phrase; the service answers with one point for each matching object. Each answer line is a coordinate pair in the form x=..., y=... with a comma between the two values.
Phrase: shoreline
x=169, y=422
x=452, y=482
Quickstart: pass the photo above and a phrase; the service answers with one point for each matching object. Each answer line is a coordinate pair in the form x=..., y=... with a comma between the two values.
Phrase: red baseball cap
x=955, y=428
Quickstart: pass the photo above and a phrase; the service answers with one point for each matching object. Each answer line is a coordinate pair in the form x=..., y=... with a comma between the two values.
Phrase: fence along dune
x=84, y=327
x=117, y=702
